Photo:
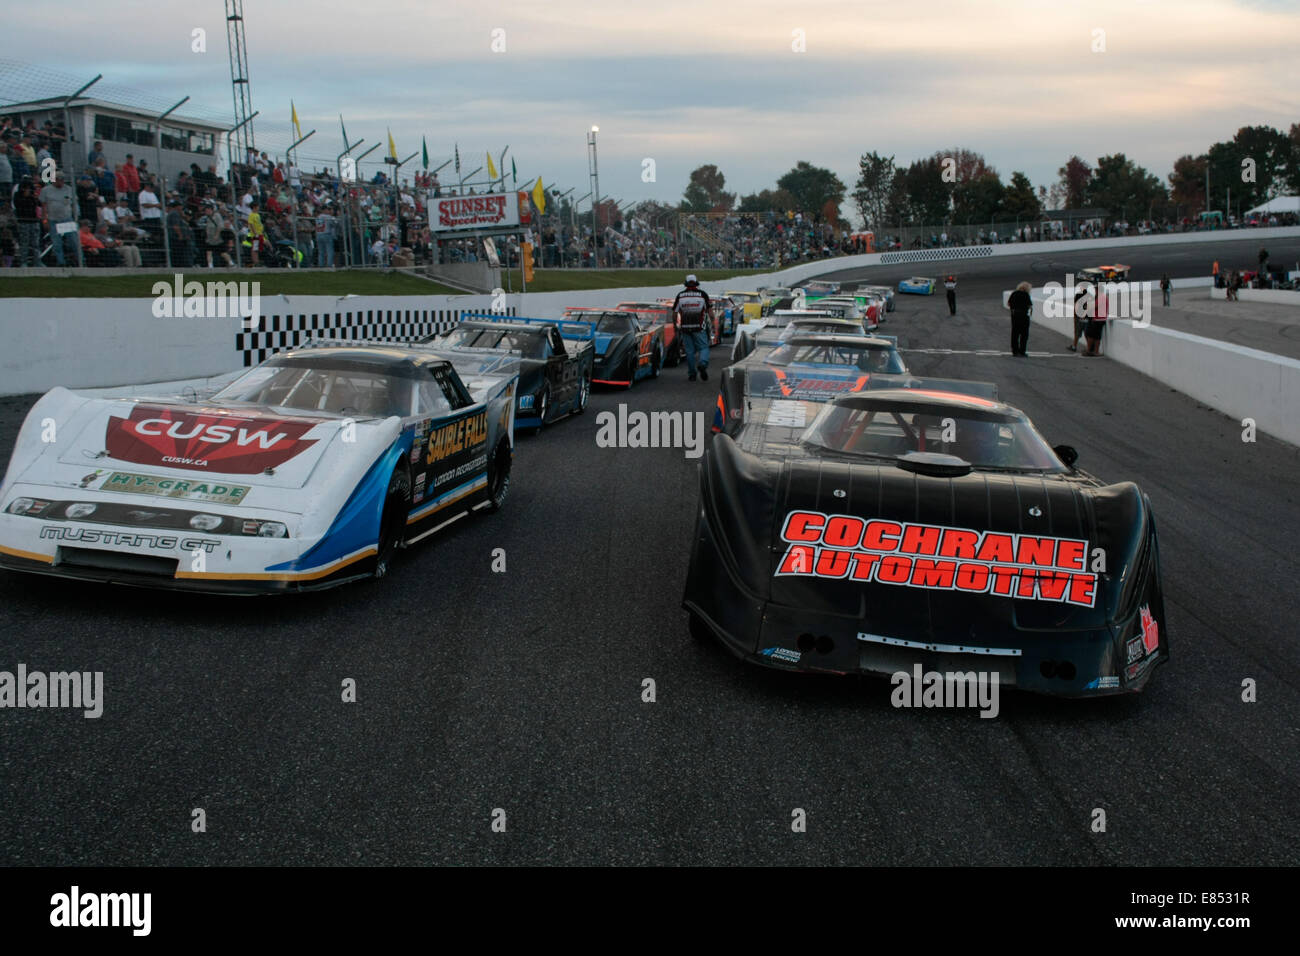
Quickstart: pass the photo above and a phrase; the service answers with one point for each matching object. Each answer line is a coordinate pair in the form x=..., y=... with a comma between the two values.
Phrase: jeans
x=1019, y=334
x=696, y=344
x=61, y=243
x=29, y=244
x=1166, y=292
x=325, y=251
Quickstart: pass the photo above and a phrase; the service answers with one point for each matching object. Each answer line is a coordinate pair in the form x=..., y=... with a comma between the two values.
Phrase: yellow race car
x=751, y=303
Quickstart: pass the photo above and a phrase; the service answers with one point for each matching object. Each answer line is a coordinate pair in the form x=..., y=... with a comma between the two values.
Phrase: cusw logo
x=1150, y=630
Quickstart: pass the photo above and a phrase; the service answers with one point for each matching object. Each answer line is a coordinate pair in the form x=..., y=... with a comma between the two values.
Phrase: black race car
x=628, y=348
x=817, y=367
x=556, y=360
x=888, y=529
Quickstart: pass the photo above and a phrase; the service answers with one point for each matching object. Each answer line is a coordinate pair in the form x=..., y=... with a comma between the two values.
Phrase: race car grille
x=116, y=561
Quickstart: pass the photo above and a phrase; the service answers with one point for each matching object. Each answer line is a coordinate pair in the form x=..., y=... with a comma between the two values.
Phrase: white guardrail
x=1241, y=382
x=85, y=343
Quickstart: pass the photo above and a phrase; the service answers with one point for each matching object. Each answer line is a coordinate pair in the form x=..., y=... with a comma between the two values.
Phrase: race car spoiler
x=568, y=329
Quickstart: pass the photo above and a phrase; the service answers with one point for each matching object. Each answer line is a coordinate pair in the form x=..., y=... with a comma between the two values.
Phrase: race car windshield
x=612, y=324
x=831, y=327
x=528, y=344
x=988, y=440
x=344, y=391
x=864, y=358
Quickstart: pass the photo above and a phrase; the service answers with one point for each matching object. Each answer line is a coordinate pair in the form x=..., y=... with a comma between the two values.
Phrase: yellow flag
x=392, y=147
x=539, y=197
x=492, y=169
x=297, y=130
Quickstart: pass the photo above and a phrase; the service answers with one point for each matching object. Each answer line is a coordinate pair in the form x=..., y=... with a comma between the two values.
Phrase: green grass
x=288, y=281
x=569, y=280
x=354, y=281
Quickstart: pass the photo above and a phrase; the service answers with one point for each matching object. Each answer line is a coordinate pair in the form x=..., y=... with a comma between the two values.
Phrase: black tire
x=584, y=393
x=656, y=361
x=392, y=523
x=498, y=475
x=675, y=359
x=633, y=357
x=543, y=405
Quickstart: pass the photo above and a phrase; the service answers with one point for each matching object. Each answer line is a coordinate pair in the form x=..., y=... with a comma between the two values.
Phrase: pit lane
x=523, y=690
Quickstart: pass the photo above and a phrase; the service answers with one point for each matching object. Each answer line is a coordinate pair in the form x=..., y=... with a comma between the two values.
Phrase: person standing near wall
x=1021, y=305
x=1166, y=286
x=950, y=283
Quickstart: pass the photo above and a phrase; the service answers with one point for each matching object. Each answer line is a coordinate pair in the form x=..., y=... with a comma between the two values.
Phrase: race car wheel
x=656, y=361
x=584, y=392
x=392, y=523
x=632, y=362
x=543, y=404
x=498, y=475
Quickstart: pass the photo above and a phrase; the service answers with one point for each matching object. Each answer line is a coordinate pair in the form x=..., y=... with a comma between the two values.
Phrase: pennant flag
x=539, y=197
x=345, y=132
x=492, y=170
x=458, y=157
x=514, y=175
x=424, y=142
x=392, y=147
x=297, y=130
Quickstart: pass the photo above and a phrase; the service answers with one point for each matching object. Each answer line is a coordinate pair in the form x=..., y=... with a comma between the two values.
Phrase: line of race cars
x=853, y=517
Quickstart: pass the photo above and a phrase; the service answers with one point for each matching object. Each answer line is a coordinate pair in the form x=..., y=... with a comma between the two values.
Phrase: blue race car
x=556, y=360
x=918, y=285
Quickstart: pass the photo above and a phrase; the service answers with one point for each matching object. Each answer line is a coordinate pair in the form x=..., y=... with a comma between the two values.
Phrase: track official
x=691, y=310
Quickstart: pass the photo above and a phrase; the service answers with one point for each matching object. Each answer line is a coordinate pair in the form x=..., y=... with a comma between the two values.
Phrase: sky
x=752, y=86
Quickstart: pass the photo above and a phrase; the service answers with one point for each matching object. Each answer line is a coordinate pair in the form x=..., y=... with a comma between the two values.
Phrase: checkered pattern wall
x=937, y=255
x=276, y=332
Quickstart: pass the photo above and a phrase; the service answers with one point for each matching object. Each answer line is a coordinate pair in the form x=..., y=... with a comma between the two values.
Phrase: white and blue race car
x=307, y=471
x=918, y=285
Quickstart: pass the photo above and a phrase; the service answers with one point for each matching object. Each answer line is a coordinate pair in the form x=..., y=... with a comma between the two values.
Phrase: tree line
x=961, y=187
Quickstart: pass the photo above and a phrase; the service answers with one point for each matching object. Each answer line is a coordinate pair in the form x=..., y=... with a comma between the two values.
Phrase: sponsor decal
x=1102, y=683
x=784, y=413
x=813, y=389
x=1150, y=630
x=210, y=491
x=1135, y=650
x=130, y=539
x=935, y=557
x=205, y=441
x=469, y=432
x=478, y=464
x=1135, y=670
x=781, y=654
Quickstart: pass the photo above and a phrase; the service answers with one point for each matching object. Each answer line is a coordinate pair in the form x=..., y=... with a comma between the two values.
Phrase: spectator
x=6, y=173
x=93, y=251
x=213, y=228
x=1096, y=323
x=1166, y=286
x=179, y=236
x=29, y=224
x=151, y=212
x=96, y=154
x=131, y=182
x=59, y=200
x=256, y=240
x=1020, y=305
x=326, y=231
x=8, y=233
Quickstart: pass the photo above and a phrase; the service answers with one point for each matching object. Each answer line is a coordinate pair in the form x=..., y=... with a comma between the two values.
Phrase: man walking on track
x=950, y=283
x=1020, y=305
x=691, y=310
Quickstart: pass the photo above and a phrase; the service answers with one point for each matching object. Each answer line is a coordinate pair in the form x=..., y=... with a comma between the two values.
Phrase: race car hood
x=220, y=444
x=959, y=559
x=823, y=383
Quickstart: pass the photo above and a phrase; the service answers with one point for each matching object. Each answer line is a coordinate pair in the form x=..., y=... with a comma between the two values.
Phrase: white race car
x=307, y=471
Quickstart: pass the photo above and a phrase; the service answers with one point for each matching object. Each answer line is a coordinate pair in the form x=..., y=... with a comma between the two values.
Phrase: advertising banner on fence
x=483, y=212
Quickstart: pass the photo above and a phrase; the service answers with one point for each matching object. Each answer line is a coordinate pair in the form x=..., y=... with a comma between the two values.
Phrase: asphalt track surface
x=523, y=690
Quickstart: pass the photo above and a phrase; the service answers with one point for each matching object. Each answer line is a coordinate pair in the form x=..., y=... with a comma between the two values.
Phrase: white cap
x=691, y=280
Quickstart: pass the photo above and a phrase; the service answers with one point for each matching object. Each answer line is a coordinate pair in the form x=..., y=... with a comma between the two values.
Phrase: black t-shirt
x=1020, y=304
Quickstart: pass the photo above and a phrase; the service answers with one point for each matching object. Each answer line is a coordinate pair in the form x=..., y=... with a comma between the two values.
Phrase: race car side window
x=430, y=399
x=452, y=390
